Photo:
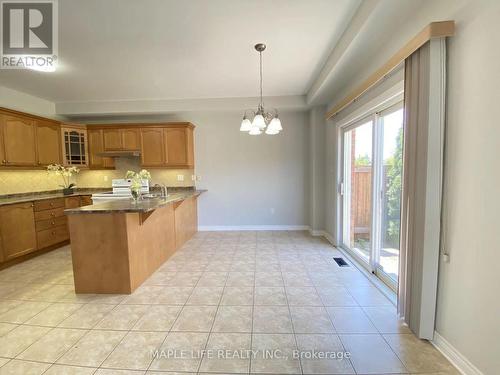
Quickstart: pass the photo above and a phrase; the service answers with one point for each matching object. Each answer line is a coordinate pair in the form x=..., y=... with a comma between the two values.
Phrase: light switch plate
x=180, y=177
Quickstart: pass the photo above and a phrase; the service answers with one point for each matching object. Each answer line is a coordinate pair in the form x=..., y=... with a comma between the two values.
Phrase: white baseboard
x=219, y=228
x=316, y=233
x=454, y=356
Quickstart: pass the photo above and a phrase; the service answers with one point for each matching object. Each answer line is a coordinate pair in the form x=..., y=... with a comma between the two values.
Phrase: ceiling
x=117, y=50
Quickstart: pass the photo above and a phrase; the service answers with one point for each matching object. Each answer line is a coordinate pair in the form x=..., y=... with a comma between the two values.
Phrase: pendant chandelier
x=262, y=120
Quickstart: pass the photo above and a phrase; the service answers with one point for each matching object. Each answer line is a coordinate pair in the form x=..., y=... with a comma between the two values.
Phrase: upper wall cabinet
x=152, y=154
x=124, y=139
x=168, y=146
x=28, y=141
x=74, y=142
x=48, y=142
x=18, y=135
x=95, y=147
x=178, y=143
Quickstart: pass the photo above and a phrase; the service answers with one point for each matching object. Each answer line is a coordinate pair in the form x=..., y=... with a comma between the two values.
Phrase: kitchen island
x=117, y=245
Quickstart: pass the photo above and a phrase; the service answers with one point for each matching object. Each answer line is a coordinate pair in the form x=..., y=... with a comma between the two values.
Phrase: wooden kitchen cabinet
x=152, y=154
x=17, y=230
x=48, y=142
x=74, y=145
x=18, y=135
x=96, y=146
x=121, y=139
x=167, y=147
x=178, y=147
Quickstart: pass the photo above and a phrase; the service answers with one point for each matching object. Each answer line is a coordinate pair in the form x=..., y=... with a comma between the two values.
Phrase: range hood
x=117, y=154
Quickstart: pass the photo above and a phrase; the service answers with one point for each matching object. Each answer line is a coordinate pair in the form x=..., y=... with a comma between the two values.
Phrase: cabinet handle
x=54, y=233
x=4, y=161
x=52, y=204
x=53, y=223
x=53, y=214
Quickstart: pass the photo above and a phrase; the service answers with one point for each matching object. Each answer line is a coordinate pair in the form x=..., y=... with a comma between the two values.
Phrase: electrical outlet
x=180, y=177
x=105, y=178
x=193, y=177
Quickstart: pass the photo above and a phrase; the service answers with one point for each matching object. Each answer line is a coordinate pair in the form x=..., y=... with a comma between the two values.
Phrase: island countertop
x=128, y=206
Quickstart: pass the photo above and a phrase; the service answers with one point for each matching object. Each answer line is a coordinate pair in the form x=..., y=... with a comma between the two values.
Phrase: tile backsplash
x=24, y=181
x=90, y=179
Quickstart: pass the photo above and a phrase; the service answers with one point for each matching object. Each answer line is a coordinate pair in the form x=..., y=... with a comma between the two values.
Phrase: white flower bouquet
x=65, y=173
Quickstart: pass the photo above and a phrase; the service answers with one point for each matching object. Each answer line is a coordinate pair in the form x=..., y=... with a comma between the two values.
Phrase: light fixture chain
x=261, y=102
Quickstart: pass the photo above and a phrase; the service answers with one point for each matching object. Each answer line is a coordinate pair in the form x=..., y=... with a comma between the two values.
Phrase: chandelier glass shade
x=262, y=121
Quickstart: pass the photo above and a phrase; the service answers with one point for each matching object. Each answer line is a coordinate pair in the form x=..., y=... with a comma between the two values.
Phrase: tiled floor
x=238, y=302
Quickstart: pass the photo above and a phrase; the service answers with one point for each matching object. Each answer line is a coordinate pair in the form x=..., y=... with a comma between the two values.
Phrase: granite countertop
x=30, y=197
x=128, y=206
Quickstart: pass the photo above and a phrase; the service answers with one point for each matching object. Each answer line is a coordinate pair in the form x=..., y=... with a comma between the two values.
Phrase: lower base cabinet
x=17, y=230
x=31, y=226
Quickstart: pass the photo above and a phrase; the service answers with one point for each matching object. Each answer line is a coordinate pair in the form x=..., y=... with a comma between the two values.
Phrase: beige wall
x=12, y=182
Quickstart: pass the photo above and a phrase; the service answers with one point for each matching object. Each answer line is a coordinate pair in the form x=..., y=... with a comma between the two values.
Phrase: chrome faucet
x=164, y=192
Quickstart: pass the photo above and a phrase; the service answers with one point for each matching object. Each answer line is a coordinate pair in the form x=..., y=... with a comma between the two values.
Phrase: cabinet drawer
x=49, y=214
x=52, y=236
x=50, y=223
x=48, y=204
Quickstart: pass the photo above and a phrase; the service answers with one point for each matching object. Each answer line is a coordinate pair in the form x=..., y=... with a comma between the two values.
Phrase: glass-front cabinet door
x=74, y=141
x=372, y=168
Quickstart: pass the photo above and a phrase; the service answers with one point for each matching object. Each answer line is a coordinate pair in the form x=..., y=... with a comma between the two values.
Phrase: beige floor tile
x=107, y=299
x=282, y=346
x=272, y=319
x=174, y=295
x=87, y=317
x=52, y=346
x=268, y=279
x=417, y=355
x=135, y=351
x=3, y=361
x=272, y=296
x=195, y=319
x=22, y=312
x=69, y=370
x=241, y=279
x=6, y=327
x=296, y=279
x=334, y=359
x=368, y=296
x=336, y=296
x=237, y=296
x=158, y=318
x=181, y=351
x=16, y=367
x=202, y=295
x=308, y=319
x=145, y=294
x=123, y=317
x=8, y=305
x=233, y=319
x=92, y=349
x=212, y=279
x=224, y=353
x=302, y=296
x=105, y=371
x=54, y=314
x=185, y=279
x=17, y=340
x=386, y=320
x=350, y=320
x=370, y=354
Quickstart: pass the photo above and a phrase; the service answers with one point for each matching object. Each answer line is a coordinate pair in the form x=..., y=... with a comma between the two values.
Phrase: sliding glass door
x=371, y=191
